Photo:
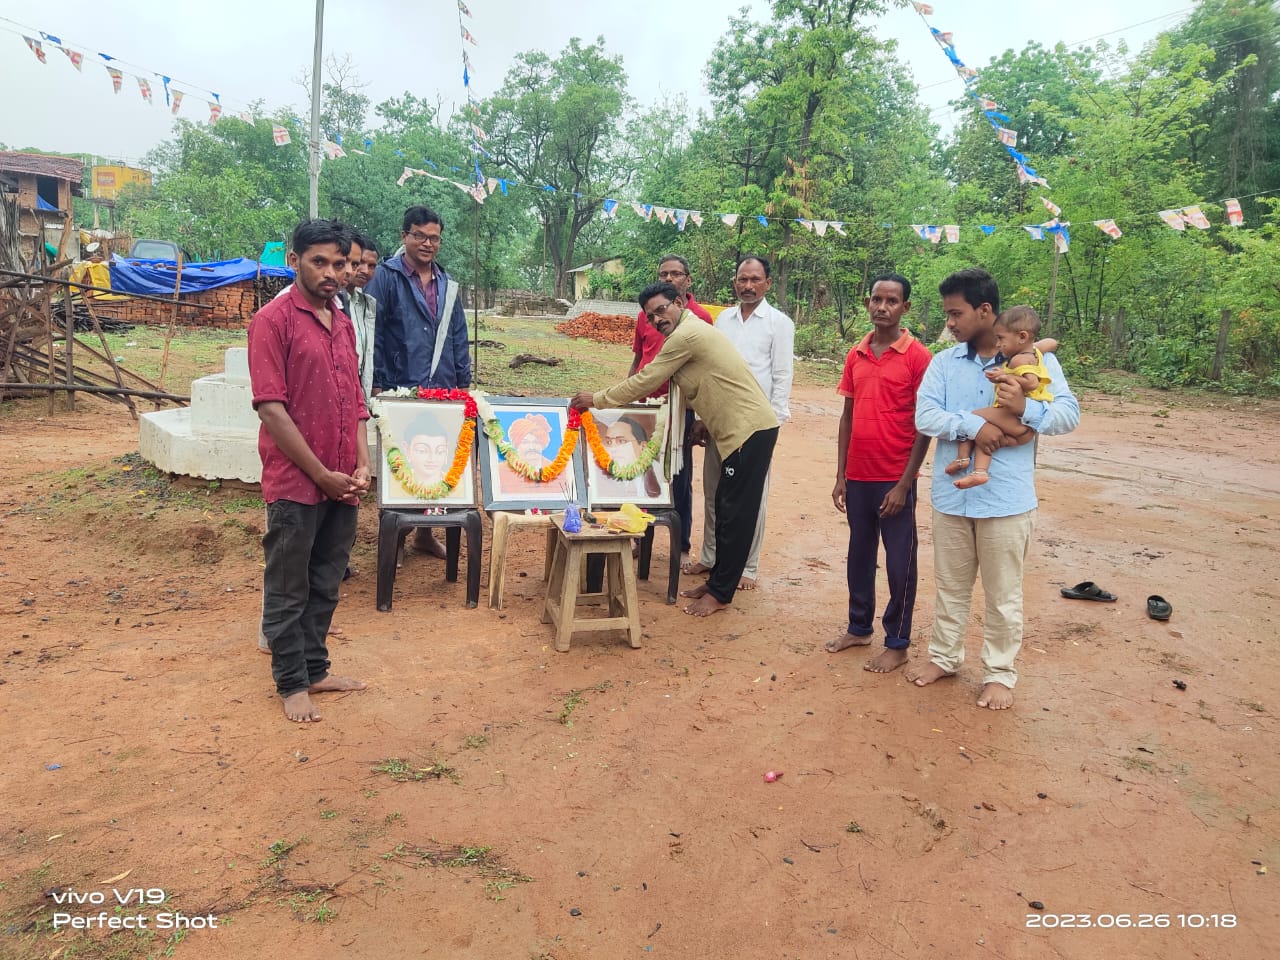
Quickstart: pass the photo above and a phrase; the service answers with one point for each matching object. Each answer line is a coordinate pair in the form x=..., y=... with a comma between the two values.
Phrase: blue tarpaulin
x=158, y=277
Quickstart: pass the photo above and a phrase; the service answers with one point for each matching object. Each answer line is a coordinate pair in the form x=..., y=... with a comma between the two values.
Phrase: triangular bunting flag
x=1235, y=216
x=177, y=101
x=76, y=58
x=764, y=221
x=1051, y=207
x=1008, y=137
x=466, y=35
x=987, y=230
x=820, y=227
x=1173, y=219
x=462, y=8
x=280, y=135
x=145, y=89
x=922, y=8
x=729, y=219
x=945, y=36
x=838, y=227
x=37, y=49
x=696, y=217
x=117, y=78
x=333, y=150
x=682, y=217
x=1109, y=228
x=953, y=232
x=1195, y=216
x=807, y=224
x=1037, y=233
x=610, y=208
x=215, y=111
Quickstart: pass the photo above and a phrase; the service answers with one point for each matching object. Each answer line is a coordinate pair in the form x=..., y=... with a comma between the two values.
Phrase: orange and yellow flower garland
x=403, y=473
x=605, y=462
x=493, y=430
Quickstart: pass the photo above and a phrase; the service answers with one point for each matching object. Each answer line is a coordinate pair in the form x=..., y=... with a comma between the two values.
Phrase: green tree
x=555, y=127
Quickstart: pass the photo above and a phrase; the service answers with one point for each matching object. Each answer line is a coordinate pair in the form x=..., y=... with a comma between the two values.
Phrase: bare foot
x=995, y=696
x=298, y=708
x=836, y=644
x=886, y=661
x=329, y=684
x=693, y=593
x=697, y=568
x=975, y=479
x=956, y=466
x=929, y=673
x=424, y=541
x=746, y=583
x=704, y=606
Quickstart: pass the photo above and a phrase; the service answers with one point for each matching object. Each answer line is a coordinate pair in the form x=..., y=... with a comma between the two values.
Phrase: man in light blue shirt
x=986, y=529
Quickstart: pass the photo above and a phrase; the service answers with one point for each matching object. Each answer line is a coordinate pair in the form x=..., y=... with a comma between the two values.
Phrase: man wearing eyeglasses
x=421, y=336
x=716, y=382
x=672, y=269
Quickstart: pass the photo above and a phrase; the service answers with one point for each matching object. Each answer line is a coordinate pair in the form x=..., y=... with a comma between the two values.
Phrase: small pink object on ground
x=772, y=775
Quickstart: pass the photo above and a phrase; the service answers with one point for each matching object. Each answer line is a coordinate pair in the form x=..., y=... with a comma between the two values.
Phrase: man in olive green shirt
x=717, y=383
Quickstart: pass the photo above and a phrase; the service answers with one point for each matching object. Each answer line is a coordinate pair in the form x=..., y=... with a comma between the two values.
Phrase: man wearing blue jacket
x=421, y=336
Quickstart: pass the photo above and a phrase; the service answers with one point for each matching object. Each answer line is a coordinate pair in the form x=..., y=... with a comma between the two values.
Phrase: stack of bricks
x=232, y=305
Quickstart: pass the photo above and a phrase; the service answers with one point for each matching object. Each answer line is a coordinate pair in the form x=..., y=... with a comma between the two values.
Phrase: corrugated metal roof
x=62, y=168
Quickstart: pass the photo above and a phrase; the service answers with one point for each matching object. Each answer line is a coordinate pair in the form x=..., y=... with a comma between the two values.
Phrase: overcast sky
x=256, y=50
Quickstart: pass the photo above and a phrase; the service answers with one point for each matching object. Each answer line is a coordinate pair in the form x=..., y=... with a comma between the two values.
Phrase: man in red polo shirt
x=673, y=269
x=879, y=453
x=315, y=461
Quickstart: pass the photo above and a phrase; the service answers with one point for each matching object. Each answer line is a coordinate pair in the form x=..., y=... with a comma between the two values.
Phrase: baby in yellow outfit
x=1015, y=330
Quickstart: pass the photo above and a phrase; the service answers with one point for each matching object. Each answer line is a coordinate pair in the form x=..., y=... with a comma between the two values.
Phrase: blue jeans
x=307, y=547
x=866, y=529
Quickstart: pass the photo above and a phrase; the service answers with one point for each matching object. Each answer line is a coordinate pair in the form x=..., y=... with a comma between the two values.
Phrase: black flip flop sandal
x=1088, y=590
x=1158, y=608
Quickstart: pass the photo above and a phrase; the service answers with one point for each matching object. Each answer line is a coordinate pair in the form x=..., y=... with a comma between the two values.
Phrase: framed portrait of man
x=636, y=440
x=535, y=435
x=418, y=448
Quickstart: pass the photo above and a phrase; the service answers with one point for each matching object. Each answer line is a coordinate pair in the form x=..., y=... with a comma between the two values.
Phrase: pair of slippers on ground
x=1158, y=608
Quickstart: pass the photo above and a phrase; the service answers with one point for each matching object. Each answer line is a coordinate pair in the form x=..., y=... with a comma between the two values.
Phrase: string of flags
x=477, y=188
x=173, y=97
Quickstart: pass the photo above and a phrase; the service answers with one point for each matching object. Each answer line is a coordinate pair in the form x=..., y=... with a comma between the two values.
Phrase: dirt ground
x=489, y=797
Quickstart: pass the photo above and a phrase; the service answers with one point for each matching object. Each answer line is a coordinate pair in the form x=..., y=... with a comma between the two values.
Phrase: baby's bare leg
x=961, y=462
x=1014, y=429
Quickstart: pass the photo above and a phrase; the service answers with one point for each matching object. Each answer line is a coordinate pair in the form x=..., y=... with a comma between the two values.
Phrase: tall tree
x=555, y=126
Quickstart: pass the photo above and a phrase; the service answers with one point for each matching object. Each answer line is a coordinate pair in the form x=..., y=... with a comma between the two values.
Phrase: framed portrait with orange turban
x=537, y=463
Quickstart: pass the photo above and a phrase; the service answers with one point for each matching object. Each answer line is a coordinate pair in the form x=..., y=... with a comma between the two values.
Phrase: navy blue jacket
x=404, y=339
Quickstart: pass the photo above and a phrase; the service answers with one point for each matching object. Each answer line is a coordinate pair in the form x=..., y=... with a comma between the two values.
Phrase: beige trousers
x=711, y=467
x=995, y=548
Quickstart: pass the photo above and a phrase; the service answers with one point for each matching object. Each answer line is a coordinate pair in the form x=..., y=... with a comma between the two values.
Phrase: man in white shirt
x=765, y=337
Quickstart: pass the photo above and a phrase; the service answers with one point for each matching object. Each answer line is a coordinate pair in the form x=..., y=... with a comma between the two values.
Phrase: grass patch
x=281, y=850
x=574, y=699
x=479, y=859
x=404, y=772
x=476, y=741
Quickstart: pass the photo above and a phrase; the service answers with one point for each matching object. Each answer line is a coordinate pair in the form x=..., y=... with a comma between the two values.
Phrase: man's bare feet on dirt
x=694, y=569
x=958, y=465
x=704, y=606
x=886, y=661
x=995, y=696
x=927, y=673
x=746, y=583
x=836, y=644
x=335, y=684
x=424, y=541
x=299, y=709
x=693, y=593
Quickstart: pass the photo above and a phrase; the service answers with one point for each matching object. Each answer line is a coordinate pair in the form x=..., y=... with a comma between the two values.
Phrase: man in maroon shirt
x=673, y=269
x=315, y=461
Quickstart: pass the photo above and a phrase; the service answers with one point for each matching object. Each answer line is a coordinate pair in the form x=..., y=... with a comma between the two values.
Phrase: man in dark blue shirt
x=421, y=336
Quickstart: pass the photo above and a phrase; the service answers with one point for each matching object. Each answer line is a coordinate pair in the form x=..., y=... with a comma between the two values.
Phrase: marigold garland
x=401, y=470
x=605, y=462
x=493, y=430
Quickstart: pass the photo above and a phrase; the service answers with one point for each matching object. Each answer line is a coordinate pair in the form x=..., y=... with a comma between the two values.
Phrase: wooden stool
x=502, y=526
x=619, y=588
x=394, y=525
